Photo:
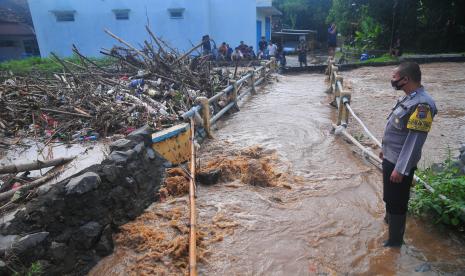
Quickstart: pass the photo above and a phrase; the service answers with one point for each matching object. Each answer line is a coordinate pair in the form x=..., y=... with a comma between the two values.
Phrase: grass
x=44, y=65
x=448, y=182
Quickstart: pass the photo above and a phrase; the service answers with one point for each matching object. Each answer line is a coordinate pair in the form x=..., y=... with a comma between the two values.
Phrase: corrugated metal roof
x=14, y=28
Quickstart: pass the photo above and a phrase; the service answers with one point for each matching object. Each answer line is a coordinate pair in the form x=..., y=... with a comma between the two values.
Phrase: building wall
x=233, y=21
x=201, y=17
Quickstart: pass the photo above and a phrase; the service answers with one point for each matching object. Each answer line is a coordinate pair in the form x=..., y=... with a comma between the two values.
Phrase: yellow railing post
x=332, y=78
x=273, y=64
x=205, y=114
x=340, y=79
x=343, y=113
x=252, y=81
x=233, y=95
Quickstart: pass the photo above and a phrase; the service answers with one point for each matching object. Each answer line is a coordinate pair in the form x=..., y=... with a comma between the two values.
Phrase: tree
x=292, y=9
x=305, y=14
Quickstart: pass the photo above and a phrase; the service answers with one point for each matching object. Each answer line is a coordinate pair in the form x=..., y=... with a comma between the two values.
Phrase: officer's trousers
x=396, y=195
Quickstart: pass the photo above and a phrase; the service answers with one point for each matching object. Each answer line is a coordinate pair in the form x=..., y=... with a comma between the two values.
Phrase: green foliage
x=292, y=9
x=35, y=270
x=305, y=14
x=369, y=31
x=45, y=65
x=447, y=182
x=422, y=25
x=344, y=14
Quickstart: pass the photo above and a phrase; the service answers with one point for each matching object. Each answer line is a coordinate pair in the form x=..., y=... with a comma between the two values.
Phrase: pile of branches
x=153, y=84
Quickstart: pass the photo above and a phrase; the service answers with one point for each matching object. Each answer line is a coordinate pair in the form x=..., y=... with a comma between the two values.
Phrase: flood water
x=373, y=95
x=331, y=220
x=331, y=223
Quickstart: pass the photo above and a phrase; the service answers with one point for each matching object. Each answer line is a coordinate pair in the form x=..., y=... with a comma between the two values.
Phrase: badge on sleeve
x=421, y=119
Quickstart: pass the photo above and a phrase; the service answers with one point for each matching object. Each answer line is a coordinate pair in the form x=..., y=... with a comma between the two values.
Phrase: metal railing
x=233, y=93
x=342, y=99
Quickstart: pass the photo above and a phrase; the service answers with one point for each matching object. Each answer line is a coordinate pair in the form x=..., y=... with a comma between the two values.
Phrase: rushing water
x=331, y=221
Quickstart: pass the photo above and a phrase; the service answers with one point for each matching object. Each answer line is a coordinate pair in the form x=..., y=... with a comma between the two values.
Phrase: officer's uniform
x=404, y=135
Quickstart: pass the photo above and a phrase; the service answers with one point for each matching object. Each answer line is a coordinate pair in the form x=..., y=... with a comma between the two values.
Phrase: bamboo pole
x=193, y=220
x=36, y=165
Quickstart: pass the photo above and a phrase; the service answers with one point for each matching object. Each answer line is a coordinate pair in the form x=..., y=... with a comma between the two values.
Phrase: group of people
x=225, y=52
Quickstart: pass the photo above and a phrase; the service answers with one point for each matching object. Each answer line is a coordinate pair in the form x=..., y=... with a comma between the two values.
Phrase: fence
x=342, y=99
x=233, y=93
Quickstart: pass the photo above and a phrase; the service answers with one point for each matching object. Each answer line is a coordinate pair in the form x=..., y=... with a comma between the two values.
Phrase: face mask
x=396, y=85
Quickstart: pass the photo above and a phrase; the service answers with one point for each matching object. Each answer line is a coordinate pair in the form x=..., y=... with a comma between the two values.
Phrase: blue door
x=268, y=28
x=259, y=32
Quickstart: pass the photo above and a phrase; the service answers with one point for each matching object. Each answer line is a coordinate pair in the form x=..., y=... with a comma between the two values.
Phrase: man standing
x=302, y=51
x=262, y=44
x=332, y=40
x=404, y=135
x=206, y=46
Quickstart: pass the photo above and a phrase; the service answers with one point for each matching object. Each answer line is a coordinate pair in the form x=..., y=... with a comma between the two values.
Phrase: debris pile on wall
x=152, y=85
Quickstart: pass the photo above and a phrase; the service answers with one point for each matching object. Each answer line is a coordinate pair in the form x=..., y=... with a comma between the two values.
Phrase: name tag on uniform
x=421, y=119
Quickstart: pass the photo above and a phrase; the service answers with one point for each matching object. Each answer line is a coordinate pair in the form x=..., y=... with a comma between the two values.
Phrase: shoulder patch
x=421, y=119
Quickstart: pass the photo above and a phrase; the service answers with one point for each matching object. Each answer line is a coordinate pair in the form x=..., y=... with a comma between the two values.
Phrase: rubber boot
x=396, y=230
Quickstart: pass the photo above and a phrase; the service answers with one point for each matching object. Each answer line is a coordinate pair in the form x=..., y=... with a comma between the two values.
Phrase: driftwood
x=27, y=187
x=65, y=112
x=36, y=165
x=103, y=100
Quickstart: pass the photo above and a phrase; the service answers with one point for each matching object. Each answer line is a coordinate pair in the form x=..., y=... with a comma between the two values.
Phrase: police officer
x=404, y=135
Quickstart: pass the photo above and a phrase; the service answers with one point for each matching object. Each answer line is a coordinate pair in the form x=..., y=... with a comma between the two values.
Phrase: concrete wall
x=230, y=21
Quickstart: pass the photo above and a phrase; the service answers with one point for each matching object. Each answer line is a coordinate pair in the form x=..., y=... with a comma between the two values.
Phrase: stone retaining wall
x=68, y=227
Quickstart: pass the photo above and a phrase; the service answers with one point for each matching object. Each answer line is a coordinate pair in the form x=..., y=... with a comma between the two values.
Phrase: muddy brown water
x=331, y=221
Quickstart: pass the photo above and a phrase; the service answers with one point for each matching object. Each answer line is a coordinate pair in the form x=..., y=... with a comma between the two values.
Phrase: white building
x=182, y=23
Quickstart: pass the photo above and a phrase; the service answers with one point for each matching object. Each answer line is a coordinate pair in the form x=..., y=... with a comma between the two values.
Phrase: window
x=176, y=13
x=64, y=16
x=31, y=47
x=8, y=43
x=121, y=14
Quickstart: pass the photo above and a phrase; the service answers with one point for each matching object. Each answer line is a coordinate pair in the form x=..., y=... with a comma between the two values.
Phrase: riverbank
x=293, y=67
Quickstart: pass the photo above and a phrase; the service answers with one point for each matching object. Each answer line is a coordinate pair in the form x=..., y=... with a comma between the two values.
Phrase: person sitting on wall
x=237, y=55
x=243, y=48
x=223, y=51
x=252, y=53
x=229, y=53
